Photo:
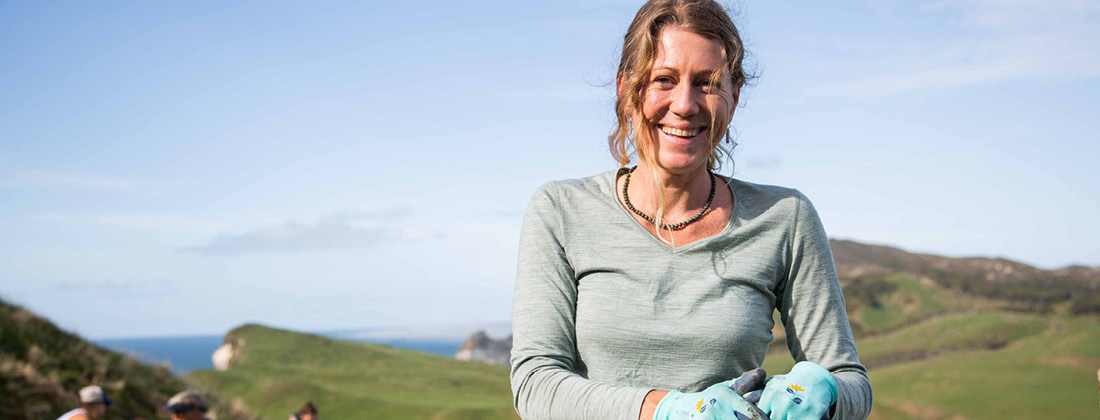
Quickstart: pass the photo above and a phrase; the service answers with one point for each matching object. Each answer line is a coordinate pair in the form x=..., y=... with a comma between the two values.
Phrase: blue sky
x=173, y=169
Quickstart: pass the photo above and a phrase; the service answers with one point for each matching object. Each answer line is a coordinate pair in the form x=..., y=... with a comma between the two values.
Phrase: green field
x=1047, y=375
x=279, y=370
x=931, y=354
x=939, y=356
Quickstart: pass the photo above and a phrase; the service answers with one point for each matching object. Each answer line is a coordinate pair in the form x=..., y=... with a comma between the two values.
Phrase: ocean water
x=185, y=354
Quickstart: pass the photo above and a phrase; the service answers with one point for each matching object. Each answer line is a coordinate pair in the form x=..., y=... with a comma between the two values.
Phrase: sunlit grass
x=281, y=370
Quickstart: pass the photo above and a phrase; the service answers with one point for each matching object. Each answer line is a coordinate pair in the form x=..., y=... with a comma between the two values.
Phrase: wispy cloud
x=114, y=287
x=203, y=225
x=334, y=232
x=161, y=223
x=1007, y=40
x=73, y=180
x=106, y=285
x=1050, y=56
x=1017, y=14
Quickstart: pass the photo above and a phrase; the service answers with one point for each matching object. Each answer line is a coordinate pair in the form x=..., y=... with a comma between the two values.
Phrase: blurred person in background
x=93, y=405
x=187, y=405
x=307, y=412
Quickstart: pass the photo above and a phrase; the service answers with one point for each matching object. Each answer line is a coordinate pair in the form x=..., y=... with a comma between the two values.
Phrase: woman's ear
x=736, y=96
x=620, y=85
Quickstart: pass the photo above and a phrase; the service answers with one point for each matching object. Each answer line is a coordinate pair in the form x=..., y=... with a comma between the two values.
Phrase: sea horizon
x=184, y=354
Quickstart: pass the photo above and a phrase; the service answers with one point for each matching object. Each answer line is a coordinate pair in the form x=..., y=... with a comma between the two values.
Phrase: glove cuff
x=820, y=374
x=664, y=407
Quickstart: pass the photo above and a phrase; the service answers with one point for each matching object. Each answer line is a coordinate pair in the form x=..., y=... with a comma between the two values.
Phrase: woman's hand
x=750, y=383
x=806, y=393
x=719, y=401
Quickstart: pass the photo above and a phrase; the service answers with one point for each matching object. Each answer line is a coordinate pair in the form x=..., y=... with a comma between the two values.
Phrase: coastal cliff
x=484, y=349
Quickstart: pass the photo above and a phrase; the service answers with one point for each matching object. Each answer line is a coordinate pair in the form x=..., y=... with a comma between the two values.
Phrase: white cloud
x=334, y=232
x=203, y=225
x=113, y=287
x=1049, y=56
x=163, y=223
x=74, y=180
x=1019, y=14
x=1007, y=40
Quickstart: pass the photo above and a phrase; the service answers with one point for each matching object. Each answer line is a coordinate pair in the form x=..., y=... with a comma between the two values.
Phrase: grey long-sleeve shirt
x=604, y=312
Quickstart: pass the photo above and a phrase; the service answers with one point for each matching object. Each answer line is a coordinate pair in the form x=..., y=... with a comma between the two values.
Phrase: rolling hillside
x=943, y=338
x=275, y=371
x=43, y=367
x=942, y=342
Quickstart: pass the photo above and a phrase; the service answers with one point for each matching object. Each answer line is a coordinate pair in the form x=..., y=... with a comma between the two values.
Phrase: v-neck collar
x=614, y=190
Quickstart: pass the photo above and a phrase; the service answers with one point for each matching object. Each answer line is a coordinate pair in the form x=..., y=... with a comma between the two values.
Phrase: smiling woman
x=682, y=101
x=620, y=314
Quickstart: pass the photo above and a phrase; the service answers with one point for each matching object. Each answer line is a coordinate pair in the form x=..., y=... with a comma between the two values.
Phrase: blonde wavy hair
x=640, y=45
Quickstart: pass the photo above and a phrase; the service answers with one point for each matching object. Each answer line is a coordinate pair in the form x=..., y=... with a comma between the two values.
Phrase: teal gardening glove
x=805, y=393
x=719, y=401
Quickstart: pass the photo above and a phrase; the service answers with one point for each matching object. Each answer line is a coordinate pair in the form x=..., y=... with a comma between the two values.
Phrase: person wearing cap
x=93, y=405
x=187, y=405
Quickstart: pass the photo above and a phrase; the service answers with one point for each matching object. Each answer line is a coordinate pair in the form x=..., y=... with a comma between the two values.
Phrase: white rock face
x=222, y=356
x=484, y=349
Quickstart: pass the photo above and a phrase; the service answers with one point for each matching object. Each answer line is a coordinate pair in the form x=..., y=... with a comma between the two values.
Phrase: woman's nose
x=684, y=100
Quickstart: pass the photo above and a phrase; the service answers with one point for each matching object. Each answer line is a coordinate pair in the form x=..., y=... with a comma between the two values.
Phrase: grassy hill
x=43, y=367
x=275, y=371
x=943, y=338
x=936, y=353
x=932, y=354
x=1016, y=285
x=1051, y=374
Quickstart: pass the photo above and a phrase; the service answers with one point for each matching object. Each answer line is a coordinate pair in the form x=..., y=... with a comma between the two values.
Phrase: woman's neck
x=683, y=193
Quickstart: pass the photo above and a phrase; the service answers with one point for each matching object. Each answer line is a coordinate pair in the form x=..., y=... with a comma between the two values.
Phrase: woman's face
x=680, y=100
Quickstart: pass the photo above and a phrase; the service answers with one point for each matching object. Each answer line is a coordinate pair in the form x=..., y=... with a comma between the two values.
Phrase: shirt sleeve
x=811, y=305
x=544, y=378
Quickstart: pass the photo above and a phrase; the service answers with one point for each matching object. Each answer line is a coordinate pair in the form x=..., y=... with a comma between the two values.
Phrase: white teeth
x=680, y=133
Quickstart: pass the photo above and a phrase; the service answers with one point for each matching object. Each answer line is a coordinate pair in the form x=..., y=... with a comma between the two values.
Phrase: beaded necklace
x=626, y=199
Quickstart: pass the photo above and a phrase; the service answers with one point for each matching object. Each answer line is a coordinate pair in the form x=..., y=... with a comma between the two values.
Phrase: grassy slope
x=42, y=368
x=933, y=355
x=280, y=370
x=941, y=356
x=912, y=301
x=950, y=333
x=1047, y=375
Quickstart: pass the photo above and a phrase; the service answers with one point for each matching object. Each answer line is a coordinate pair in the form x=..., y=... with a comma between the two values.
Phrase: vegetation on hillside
x=972, y=338
x=1051, y=374
x=1022, y=286
x=942, y=342
x=275, y=371
x=42, y=368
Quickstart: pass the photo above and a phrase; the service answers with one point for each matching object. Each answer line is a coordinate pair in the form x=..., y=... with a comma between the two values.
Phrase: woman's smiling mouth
x=682, y=133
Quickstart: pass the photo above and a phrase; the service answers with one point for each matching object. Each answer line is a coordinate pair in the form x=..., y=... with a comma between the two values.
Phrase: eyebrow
x=697, y=73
